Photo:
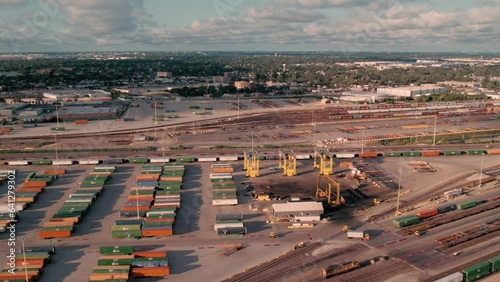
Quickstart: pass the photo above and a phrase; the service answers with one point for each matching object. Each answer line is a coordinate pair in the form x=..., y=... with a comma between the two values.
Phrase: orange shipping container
x=147, y=177
x=52, y=224
x=18, y=276
x=135, y=209
x=157, y=233
x=150, y=272
x=47, y=234
x=4, y=130
x=158, y=254
x=368, y=155
x=81, y=121
x=30, y=189
x=345, y=164
x=35, y=184
x=493, y=152
x=108, y=276
x=116, y=257
x=65, y=219
x=430, y=153
x=223, y=170
x=172, y=178
x=55, y=171
x=169, y=219
x=31, y=263
x=142, y=198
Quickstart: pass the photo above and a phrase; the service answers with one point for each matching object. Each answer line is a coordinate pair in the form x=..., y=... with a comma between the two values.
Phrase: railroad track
x=462, y=266
x=247, y=276
x=309, y=264
x=472, y=242
x=448, y=185
x=374, y=275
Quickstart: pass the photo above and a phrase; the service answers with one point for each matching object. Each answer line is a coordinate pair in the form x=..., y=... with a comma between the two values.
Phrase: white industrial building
x=75, y=95
x=299, y=211
x=411, y=91
x=359, y=96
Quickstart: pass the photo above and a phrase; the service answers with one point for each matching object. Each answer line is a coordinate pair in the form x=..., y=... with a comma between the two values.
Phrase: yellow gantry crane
x=288, y=162
x=323, y=159
x=333, y=199
x=251, y=164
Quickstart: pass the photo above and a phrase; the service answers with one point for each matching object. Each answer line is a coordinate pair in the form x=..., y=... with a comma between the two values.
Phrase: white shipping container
x=5, y=207
x=220, y=175
x=159, y=160
x=224, y=202
x=228, y=158
x=62, y=162
x=111, y=167
x=17, y=162
x=207, y=159
x=345, y=155
x=455, y=277
x=6, y=172
x=79, y=201
x=228, y=225
x=303, y=157
x=355, y=234
x=88, y=162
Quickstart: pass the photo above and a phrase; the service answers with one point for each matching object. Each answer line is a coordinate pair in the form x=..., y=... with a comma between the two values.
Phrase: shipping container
x=412, y=154
x=159, y=160
x=138, y=160
x=392, y=154
x=156, y=254
x=17, y=163
x=62, y=162
x=55, y=171
x=112, y=161
x=427, y=213
x=430, y=153
x=368, y=155
x=495, y=263
x=466, y=205
x=207, y=159
x=477, y=271
x=476, y=152
x=493, y=152
x=88, y=162
x=150, y=272
x=113, y=262
x=345, y=155
x=123, y=250
x=452, y=152
x=41, y=162
x=57, y=128
x=228, y=158
x=447, y=208
x=81, y=121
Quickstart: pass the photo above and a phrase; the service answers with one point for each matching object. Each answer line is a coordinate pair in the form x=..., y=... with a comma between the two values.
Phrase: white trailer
x=228, y=158
x=455, y=277
x=207, y=159
x=224, y=202
x=159, y=160
x=345, y=155
x=355, y=234
x=220, y=175
x=17, y=163
x=88, y=162
x=228, y=225
x=62, y=162
x=303, y=156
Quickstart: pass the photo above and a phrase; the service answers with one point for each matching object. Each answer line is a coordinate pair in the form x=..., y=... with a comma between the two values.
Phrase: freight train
x=340, y=155
x=338, y=269
x=413, y=219
x=474, y=272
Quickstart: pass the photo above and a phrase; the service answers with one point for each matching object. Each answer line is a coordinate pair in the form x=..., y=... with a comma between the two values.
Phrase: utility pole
x=481, y=173
x=24, y=258
x=57, y=153
x=399, y=191
x=363, y=144
x=57, y=115
x=435, y=125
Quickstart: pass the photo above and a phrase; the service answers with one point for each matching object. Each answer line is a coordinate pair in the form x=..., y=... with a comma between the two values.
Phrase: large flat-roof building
x=299, y=211
x=359, y=96
x=411, y=91
x=77, y=96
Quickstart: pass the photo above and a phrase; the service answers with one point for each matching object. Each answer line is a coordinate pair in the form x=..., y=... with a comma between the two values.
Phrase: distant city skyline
x=244, y=25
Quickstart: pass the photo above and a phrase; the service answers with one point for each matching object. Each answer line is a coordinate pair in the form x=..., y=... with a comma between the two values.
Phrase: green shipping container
x=407, y=222
x=110, y=271
x=113, y=262
x=138, y=160
x=55, y=228
x=412, y=154
x=476, y=152
x=58, y=128
x=452, y=152
x=392, y=154
x=126, y=227
x=466, y=205
x=185, y=159
x=127, y=234
x=41, y=162
x=495, y=263
x=477, y=271
x=122, y=250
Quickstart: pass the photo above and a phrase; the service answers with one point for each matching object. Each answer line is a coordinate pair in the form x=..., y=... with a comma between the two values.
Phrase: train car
x=340, y=268
x=347, y=117
x=427, y=213
x=455, y=277
x=477, y=271
x=446, y=208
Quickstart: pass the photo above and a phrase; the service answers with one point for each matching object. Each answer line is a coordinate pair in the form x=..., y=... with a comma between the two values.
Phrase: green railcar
x=466, y=205
x=495, y=263
x=392, y=154
x=412, y=154
x=452, y=152
x=476, y=272
x=476, y=152
x=58, y=128
x=41, y=162
x=138, y=160
x=185, y=159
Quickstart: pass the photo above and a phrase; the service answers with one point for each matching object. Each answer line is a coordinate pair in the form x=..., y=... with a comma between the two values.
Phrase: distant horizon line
x=485, y=52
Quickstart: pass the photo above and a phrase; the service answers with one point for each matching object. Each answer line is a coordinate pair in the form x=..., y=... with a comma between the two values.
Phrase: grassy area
x=147, y=149
x=459, y=138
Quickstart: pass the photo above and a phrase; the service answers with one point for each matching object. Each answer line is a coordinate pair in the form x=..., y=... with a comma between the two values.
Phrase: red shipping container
x=159, y=254
x=81, y=121
x=47, y=234
x=55, y=171
x=427, y=213
x=493, y=152
x=368, y=155
x=150, y=271
x=35, y=184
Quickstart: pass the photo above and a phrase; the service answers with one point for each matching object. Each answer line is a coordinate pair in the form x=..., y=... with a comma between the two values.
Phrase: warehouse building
x=412, y=91
x=77, y=96
x=360, y=96
x=299, y=211
x=71, y=113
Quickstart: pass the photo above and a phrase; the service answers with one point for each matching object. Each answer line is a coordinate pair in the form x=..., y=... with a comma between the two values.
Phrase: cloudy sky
x=249, y=25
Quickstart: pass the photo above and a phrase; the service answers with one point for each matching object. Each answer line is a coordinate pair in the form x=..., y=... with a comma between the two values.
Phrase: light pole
x=399, y=191
x=363, y=144
x=435, y=125
x=24, y=258
x=57, y=153
x=481, y=173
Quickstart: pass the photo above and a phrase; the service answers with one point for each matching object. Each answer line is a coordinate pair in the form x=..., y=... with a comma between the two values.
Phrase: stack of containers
x=26, y=194
x=119, y=263
x=161, y=216
x=62, y=223
x=36, y=259
x=223, y=186
x=406, y=220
